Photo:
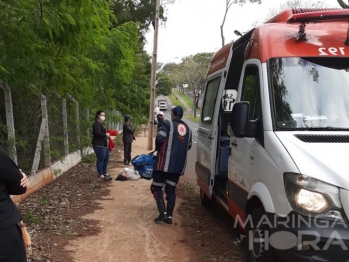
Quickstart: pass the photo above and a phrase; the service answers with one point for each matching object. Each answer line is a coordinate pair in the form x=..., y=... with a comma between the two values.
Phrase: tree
x=139, y=11
x=54, y=40
x=228, y=4
x=80, y=49
x=75, y=47
x=294, y=4
x=170, y=68
x=164, y=85
x=192, y=71
x=342, y=4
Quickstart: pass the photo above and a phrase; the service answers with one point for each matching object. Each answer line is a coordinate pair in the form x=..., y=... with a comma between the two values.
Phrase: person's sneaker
x=105, y=178
x=108, y=178
x=130, y=163
x=168, y=220
x=126, y=163
x=161, y=218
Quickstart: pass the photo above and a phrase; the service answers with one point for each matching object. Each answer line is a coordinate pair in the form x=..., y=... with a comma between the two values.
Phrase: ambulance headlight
x=311, y=201
x=309, y=196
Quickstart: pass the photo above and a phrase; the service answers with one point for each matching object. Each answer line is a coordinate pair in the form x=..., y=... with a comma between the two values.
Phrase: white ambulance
x=273, y=138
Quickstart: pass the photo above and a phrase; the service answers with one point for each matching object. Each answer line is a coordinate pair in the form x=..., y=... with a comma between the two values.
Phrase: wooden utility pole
x=153, y=78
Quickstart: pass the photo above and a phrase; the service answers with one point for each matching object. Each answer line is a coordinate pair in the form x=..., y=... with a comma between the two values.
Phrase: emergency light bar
x=320, y=16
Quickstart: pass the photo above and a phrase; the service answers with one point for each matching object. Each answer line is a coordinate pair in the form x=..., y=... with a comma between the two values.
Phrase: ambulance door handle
x=234, y=144
x=210, y=137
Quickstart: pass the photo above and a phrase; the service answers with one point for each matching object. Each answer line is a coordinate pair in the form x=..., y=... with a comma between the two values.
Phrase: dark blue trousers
x=102, y=154
x=170, y=181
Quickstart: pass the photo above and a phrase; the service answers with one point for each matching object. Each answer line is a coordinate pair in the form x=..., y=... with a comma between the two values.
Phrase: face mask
x=102, y=118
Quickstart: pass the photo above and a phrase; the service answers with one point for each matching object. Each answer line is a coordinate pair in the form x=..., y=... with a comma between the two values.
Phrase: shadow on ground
x=209, y=230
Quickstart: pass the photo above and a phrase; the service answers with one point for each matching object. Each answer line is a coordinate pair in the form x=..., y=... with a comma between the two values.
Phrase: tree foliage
x=170, y=68
x=228, y=4
x=140, y=11
x=84, y=48
x=294, y=4
x=192, y=71
x=242, y=2
x=164, y=85
x=342, y=4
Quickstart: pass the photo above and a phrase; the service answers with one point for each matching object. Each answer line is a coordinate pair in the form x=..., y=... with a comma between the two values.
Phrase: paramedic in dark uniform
x=172, y=144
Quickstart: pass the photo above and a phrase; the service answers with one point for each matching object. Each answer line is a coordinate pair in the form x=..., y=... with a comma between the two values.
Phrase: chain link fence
x=56, y=127
x=3, y=127
x=37, y=130
x=26, y=120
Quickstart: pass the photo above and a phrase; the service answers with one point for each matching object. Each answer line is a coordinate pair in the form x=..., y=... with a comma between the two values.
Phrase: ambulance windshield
x=310, y=93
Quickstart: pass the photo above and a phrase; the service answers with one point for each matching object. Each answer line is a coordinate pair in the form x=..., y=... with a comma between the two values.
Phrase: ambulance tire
x=257, y=252
x=204, y=200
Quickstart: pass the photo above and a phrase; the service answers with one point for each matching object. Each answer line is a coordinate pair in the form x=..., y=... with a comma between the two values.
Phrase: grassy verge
x=191, y=118
x=189, y=102
x=174, y=100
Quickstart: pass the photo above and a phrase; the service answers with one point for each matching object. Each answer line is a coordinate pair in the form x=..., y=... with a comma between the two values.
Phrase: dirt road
x=113, y=221
x=129, y=232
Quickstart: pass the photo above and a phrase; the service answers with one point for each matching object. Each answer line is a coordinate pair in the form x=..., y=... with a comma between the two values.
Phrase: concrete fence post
x=78, y=124
x=11, y=134
x=46, y=131
x=88, y=120
x=36, y=161
x=65, y=127
x=77, y=111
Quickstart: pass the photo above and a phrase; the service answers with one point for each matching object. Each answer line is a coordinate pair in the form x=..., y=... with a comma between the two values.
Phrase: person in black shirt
x=127, y=138
x=12, y=182
x=100, y=145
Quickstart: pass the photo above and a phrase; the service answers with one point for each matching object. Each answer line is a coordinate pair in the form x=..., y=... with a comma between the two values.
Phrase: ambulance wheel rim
x=258, y=246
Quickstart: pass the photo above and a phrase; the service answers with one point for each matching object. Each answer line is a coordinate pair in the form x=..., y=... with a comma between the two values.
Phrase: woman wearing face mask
x=100, y=142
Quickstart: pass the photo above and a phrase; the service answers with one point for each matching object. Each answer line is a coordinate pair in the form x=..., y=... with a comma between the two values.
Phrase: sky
x=193, y=26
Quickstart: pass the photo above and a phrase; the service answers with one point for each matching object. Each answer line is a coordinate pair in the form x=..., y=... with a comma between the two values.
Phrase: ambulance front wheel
x=257, y=250
x=204, y=200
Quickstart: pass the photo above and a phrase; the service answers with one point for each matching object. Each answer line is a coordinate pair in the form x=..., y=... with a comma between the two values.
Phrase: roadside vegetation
x=192, y=118
x=189, y=102
x=92, y=51
x=174, y=100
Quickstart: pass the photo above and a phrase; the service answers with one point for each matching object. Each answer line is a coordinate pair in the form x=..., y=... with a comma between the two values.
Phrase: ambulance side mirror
x=239, y=118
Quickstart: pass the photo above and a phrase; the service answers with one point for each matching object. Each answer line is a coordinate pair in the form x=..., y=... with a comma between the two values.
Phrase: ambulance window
x=210, y=100
x=251, y=92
